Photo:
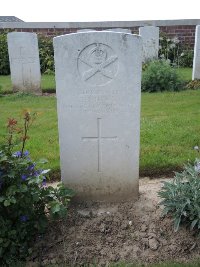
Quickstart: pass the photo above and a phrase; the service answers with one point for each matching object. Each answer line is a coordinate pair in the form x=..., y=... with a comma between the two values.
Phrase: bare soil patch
x=126, y=232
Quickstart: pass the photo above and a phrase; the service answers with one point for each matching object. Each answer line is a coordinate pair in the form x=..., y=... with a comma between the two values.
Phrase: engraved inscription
x=99, y=138
x=97, y=64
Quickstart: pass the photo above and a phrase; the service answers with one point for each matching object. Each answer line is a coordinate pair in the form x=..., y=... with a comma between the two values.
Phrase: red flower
x=11, y=122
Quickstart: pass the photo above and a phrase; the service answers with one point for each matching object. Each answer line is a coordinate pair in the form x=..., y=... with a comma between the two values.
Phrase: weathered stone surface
x=196, y=60
x=150, y=39
x=24, y=61
x=98, y=83
x=153, y=244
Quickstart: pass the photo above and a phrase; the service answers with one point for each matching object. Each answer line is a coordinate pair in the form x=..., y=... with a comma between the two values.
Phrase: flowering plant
x=178, y=54
x=26, y=202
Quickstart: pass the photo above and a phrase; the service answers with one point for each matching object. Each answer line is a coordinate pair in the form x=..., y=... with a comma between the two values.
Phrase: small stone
x=84, y=213
x=153, y=244
x=152, y=235
x=143, y=228
x=46, y=261
x=124, y=225
x=193, y=246
x=53, y=261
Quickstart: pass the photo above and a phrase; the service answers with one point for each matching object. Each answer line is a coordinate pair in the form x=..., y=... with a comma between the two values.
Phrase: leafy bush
x=169, y=49
x=181, y=197
x=26, y=203
x=186, y=58
x=4, y=58
x=172, y=49
x=46, y=55
x=193, y=85
x=160, y=76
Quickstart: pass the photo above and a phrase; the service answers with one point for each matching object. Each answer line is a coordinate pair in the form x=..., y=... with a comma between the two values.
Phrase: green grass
x=47, y=83
x=44, y=134
x=170, y=128
x=185, y=73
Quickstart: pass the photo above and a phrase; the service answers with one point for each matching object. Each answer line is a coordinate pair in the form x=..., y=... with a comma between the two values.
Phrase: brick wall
x=185, y=33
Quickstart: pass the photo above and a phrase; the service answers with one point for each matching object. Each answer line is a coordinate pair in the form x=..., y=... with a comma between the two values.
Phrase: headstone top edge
x=149, y=26
x=60, y=37
x=22, y=34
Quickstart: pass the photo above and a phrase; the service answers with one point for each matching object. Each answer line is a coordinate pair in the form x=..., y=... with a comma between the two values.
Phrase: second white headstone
x=24, y=61
x=150, y=40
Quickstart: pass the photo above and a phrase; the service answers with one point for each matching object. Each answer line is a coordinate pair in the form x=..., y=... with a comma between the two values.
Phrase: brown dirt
x=125, y=232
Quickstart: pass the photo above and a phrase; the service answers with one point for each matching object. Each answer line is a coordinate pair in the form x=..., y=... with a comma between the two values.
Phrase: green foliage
x=186, y=58
x=26, y=203
x=169, y=49
x=160, y=76
x=181, y=197
x=193, y=85
x=4, y=58
x=177, y=53
x=46, y=55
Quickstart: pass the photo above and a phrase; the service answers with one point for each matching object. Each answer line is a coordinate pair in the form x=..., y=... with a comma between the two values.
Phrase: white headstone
x=24, y=61
x=196, y=60
x=98, y=84
x=150, y=38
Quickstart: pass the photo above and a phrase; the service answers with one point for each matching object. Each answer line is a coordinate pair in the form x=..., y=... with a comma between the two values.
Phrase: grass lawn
x=48, y=81
x=43, y=141
x=170, y=128
x=185, y=73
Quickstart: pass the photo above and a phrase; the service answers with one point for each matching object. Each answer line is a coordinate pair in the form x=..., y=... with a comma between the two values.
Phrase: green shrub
x=26, y=203
x=186, y=58
x=181, y=197
x=46, y=55
x=160, y=76
x=180, y=55
x=169, y=49
x=4, y=58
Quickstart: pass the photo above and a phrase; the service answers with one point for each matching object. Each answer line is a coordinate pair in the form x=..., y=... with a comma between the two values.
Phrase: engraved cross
x=23, y=59
x=99, y=138
x=25, y=64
